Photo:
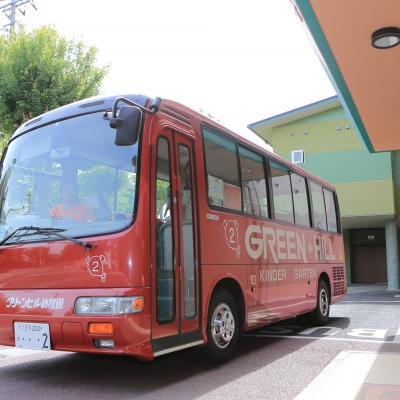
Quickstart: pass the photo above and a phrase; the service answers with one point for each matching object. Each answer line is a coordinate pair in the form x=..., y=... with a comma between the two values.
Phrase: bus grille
x=338, y=281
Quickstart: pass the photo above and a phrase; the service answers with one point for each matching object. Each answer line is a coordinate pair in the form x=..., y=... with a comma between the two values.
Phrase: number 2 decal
x=232, y=235
x=95, y=266
x=232, y=232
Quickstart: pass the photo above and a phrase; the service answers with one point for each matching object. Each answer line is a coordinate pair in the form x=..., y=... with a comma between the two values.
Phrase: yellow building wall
x=366, y=198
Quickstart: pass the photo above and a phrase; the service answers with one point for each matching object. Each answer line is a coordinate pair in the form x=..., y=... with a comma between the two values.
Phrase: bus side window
x=222, y=170
x=300, y=200
x=330, y=210
x=282, y=192
x=253, y=183
x=318, y=207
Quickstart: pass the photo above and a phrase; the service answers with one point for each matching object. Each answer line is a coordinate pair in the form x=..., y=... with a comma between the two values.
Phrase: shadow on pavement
x=106, y=377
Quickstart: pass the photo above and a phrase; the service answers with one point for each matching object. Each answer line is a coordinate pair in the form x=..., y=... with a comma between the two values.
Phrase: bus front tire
x=320, y=316
x=222, y=329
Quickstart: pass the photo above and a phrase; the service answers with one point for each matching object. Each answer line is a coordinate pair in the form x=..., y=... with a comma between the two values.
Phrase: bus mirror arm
x=154, y=106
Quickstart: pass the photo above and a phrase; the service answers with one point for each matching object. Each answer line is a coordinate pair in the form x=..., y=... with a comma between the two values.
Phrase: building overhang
x=367, y=221
x=365, y=78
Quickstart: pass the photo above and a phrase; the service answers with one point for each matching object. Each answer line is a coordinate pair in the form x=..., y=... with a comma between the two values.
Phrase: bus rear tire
x=222, y=329
x=320, y=316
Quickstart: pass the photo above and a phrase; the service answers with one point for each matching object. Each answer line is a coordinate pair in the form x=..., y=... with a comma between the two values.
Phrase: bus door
x=175, y=319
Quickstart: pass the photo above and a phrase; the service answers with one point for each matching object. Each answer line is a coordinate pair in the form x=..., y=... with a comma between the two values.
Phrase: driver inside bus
x=70, y=208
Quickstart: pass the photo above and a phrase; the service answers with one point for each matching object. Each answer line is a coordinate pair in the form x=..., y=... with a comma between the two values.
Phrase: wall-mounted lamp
x=347, y=126
x=306, y=131
x=385, y=38
x=276, y=184
x=338, y=128
x=292, y=133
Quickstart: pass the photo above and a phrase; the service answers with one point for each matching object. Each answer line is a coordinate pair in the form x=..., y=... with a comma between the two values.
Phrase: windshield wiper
x=27, y=230
x=34, y=230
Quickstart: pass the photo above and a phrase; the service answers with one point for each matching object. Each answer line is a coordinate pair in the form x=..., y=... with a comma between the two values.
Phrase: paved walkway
x=355, y=375
x=366, y=288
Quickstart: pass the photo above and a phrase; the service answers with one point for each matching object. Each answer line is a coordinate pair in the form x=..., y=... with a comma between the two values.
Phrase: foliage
x=162, y=196
x=41, y=70
x=101, y=179
x=209, y=115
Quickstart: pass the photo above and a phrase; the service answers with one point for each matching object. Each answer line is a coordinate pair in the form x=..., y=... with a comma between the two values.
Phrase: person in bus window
x=103, y=211
x=187, y=194
x=70, y=208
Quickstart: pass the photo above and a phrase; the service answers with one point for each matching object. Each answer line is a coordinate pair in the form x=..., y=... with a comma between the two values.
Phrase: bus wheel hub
x=223, y=326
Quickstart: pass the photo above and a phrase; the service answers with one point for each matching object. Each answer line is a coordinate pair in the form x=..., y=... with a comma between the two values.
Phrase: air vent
x=338, y=288
x=95, y=103
x=176, y=114
x=338, y=281
x=33, y=122
x=338, y=273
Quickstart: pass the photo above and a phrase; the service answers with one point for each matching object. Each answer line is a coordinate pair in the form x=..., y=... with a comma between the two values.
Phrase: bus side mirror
x=127, y=125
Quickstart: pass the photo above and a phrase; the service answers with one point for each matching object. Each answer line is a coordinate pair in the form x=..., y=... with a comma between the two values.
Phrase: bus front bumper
x=45, y=320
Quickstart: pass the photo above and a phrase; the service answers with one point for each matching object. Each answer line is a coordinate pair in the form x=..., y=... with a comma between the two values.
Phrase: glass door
x=174, y=251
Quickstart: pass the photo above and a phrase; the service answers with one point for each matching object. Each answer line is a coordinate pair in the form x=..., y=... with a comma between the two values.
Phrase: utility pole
x=9, y=10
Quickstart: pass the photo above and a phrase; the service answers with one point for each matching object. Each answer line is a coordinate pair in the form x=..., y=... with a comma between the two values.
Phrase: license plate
x=32, y=336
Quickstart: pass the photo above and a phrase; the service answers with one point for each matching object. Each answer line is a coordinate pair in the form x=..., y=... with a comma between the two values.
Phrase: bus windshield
x=67, y=175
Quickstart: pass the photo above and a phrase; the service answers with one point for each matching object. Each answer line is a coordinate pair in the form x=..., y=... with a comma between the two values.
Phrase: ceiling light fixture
x=386, y=38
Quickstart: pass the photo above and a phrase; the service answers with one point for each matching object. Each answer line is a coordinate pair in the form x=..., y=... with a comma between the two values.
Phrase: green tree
x=162, y=196
x=209, y=115
x=41, y=70
x=95, y=178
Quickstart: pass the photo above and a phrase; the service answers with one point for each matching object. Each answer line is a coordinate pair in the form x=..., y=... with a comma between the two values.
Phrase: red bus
x=132, y=225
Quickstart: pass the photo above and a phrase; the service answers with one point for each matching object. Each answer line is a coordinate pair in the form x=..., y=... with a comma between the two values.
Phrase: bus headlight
x=109, y=305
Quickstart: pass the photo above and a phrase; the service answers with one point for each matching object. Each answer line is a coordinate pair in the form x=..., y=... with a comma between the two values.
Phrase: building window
x=298, y=157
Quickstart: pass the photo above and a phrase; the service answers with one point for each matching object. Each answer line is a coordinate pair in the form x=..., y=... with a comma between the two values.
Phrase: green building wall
x=364, y=181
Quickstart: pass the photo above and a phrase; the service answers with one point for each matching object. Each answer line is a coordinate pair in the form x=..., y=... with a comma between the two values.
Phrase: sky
x=240, y=61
